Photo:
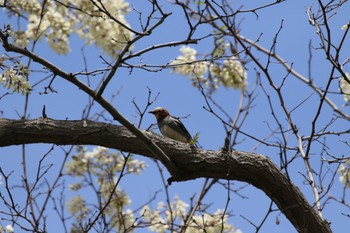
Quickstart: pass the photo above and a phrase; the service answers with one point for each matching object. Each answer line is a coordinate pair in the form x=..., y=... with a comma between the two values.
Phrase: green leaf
x=195, y=139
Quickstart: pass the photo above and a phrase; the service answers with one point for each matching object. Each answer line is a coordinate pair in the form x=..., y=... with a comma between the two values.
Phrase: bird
x=170, y=126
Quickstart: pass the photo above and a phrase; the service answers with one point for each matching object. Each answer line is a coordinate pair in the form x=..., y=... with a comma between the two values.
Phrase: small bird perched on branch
x=170, y=126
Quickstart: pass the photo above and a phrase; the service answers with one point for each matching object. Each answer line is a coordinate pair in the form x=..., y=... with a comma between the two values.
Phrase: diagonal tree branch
x=99, y=99
x=252, y=168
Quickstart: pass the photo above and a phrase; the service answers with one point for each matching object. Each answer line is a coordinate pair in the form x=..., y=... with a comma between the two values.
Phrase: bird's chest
x=168, y=131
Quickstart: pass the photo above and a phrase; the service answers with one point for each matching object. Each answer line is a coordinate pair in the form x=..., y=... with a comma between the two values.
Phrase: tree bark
x=193, y=162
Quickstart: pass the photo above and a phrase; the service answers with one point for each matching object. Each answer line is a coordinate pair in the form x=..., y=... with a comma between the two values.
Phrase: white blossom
x=9, y=229
x=128, y=219
x=77, y=206
x=105, y=32
x=154, y=218
x=160, y=220
x=211, y=223
x=186, y=64
x=14, y=79
x=179, y=207
x=36, y=27
x=20, y=38
x=345, y=88
x=104, y=167
x=104, y=24
x=59, y=31
x=344, y=172
x=233, y=73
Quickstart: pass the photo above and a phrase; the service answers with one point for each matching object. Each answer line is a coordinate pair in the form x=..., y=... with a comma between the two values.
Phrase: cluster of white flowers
x=77, y=207
x=100, y=161
x=345, y=88
x=36, y=28
x=18, y=6
x=97, y=22
x=20, y=38
x=344, y=171
x=122, y=218
x=100, y=164
x=230, y=74
x=159, y=219
x=154, y=219
x=186, y=64
x=101, y=29
x=59, y=30
x=54, y=22
x=211, y=223
x=15, y=80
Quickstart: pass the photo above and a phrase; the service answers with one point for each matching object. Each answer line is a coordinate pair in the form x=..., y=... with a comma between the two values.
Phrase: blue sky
x=181, y=99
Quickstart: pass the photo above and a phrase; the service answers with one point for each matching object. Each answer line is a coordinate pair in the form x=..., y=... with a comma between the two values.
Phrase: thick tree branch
x=254, y=169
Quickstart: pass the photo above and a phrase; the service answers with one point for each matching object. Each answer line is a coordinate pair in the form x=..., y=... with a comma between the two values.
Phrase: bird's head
x=160, y=113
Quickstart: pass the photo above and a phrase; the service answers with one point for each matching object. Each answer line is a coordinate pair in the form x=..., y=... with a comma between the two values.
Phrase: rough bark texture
x=252, y=168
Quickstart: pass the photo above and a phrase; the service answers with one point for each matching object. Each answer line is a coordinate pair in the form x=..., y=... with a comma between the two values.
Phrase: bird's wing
x=182, y=127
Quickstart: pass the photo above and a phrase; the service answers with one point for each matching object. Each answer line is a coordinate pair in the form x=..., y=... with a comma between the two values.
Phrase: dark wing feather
x=183, y=128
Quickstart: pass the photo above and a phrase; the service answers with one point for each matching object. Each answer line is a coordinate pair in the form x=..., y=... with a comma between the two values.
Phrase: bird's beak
x=151, y=112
